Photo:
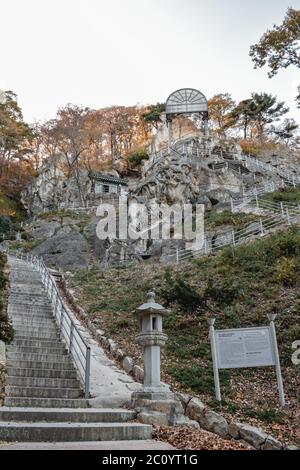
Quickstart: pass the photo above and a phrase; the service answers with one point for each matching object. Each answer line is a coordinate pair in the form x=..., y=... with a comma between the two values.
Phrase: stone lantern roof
x=151, y=306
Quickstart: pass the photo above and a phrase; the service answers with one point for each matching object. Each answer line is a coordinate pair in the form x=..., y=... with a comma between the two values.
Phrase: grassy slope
x=218, y=220
x=242, y=286
x=286, y=195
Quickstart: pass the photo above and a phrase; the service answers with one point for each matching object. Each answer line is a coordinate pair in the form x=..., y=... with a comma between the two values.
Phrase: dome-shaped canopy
x=186, y=101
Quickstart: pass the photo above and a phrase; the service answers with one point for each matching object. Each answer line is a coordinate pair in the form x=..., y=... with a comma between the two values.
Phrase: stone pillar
x=151, y=366
x=206, y=132
x=170, y=135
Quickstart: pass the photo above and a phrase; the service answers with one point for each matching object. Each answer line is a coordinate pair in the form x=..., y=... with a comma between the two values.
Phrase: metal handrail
x=234, y=237
x=69, y=332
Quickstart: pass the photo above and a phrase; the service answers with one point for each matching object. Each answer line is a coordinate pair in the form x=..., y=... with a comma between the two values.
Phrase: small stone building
x=108, y=184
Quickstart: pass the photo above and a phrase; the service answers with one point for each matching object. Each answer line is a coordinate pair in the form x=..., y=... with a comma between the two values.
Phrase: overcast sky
x=106, y=52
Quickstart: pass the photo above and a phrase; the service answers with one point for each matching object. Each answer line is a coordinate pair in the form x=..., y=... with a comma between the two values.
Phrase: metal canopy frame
x=186, y=101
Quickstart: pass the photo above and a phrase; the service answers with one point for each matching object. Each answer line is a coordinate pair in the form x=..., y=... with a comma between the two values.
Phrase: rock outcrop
x=195, y=170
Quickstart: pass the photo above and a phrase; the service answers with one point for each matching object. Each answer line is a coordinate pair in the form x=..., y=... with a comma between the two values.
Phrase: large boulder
x=254, y=436
x=44, y=228
x=65, y=250
x=208, y=419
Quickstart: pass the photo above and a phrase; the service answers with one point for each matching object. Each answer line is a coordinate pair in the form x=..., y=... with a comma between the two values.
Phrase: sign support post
x=211, y=322
x=271, y=318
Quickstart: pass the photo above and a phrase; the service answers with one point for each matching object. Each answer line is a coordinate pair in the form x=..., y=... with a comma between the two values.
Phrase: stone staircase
x=44, y=398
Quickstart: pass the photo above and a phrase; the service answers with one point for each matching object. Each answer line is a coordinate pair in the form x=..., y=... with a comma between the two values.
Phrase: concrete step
x=39, y=315
x=45, y=402
x=42, y=373
x=75, y=415
x=37, y=350
x=35, y=329
x=20, y=317
x=34, y=325
x=30, y=290
x=30, y=304
x=28, y=297
x=65, y=365
x=37, y=357
x=133, y=445
x=39, y=432
x=27, y=335
x=36, y=315
x=42, y=392
x=31, y=323
x=28, y=310
x=28, y=300
x=42, y=382
x=19, y=276
x=38, y=343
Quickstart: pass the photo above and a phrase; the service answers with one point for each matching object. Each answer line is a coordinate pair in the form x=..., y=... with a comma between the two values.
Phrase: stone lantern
x=155, y=403
x=151, y=338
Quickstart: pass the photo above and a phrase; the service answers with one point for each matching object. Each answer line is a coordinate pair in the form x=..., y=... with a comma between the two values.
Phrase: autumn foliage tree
x=219, y=107
x=279, y=47
x=90, y=139
x=15, y=145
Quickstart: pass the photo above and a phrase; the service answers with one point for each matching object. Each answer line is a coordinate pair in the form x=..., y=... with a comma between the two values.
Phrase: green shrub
x=286, y=271
x=5, y=224
x=177, y=291
x=26, y=236
x=6, y=330
x=135, y=158
x=223, y=294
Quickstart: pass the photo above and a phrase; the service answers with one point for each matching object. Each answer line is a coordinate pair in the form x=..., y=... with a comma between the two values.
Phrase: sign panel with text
x=244, y=347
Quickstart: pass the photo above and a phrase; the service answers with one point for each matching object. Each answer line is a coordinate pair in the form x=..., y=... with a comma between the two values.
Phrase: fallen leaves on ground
x=187, y=438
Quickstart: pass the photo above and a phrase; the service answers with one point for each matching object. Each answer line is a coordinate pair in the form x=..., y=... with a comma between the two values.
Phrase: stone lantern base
x=153, y=393
x=158, y=406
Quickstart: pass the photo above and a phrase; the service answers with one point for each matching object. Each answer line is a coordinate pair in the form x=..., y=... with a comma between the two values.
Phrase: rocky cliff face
x=53, y=188
x=192, y=172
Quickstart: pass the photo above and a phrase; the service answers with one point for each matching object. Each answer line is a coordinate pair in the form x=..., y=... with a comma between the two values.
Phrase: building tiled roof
x=109, y=179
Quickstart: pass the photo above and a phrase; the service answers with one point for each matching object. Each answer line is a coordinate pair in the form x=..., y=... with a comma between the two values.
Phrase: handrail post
x=261, y=226
x=205, y=245
x=87, y=373
x=233, y=237
x=61, y=317
x=71, y=336
x=56, y=303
